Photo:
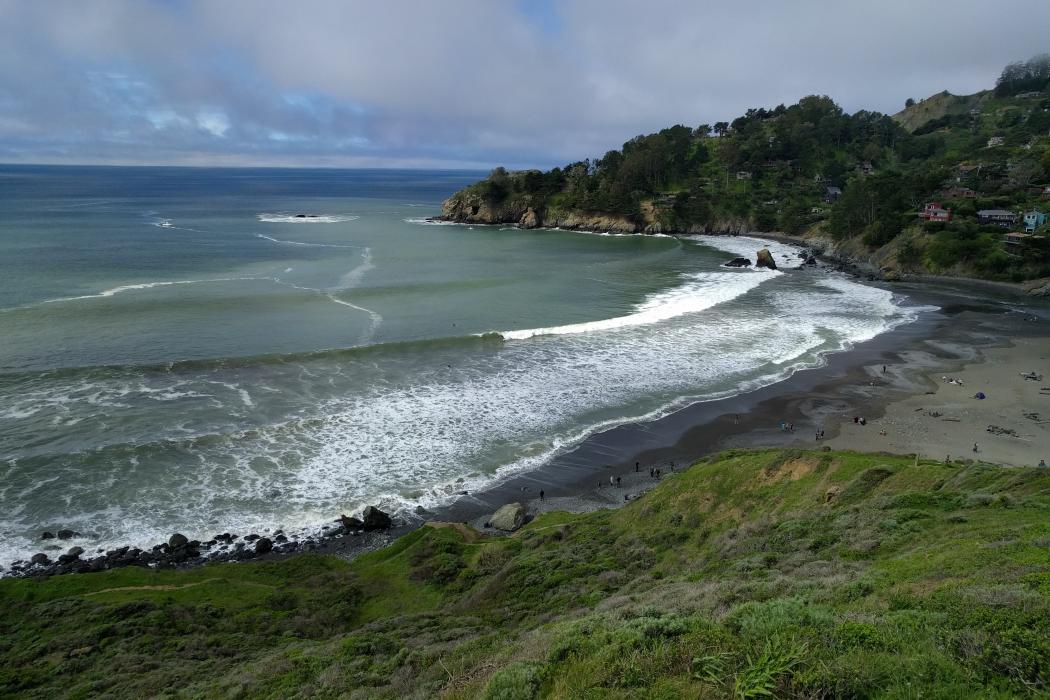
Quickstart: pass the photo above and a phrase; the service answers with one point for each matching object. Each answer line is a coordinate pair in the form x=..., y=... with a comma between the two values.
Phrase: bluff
x=754, y=574
x=865, y=182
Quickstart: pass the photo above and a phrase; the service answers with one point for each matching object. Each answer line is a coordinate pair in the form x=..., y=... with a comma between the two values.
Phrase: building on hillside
x=1016, y=238
x=1033, y=220
x=867, y=168
x=832, y=193
x=933, y=211
x=818, y=178
x=996, y=217
x=1046, y=192
x=958, y=192
x=743, y=174
x=996, y=141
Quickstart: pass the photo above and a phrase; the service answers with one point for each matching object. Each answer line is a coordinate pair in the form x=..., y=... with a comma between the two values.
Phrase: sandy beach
x=1010, y=425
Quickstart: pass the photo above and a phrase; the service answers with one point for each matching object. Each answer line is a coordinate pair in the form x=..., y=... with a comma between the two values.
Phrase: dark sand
x=944, y=340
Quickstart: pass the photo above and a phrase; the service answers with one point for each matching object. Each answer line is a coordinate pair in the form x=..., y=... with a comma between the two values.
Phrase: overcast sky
x=460, y=83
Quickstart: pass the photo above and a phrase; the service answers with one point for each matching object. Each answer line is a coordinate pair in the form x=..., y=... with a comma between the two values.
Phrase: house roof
x=995, y=212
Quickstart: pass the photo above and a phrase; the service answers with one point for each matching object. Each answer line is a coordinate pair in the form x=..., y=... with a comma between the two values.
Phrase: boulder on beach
x=177, y=540
x=737, y=262
x=40, y=559
x=509, y=517
x=375, y=519
x=263, y=545
x=811, y=260
x=765, y=259
x=350, y=524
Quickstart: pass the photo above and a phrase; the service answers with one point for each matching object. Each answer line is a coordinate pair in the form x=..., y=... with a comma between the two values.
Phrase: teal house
x=1033, y=220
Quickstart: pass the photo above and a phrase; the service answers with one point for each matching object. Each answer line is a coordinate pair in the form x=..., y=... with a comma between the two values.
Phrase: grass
x=770, y=573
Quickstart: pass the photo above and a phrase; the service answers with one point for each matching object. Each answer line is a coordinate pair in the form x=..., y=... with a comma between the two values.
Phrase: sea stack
x=765, y=259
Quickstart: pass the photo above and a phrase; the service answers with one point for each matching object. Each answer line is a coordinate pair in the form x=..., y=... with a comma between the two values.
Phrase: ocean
x=180, y=350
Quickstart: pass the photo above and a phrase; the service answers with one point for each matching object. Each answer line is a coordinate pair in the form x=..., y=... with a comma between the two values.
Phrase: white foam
x=427, y=221
x=784, y=254
x=700, y=292
x=113, y=291
x=284, y=218
x=305, y=243
x=353, y=277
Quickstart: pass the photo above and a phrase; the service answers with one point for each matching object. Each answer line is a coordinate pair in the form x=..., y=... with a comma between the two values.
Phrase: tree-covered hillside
x=811, y=167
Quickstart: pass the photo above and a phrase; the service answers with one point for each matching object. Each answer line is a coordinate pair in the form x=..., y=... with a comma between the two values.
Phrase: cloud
x=460, y=83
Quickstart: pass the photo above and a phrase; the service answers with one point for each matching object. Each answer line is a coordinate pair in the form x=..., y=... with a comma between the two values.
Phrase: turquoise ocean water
x=180, y=351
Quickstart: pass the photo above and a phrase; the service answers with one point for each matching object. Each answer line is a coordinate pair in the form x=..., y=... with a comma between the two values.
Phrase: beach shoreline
x=953, y=340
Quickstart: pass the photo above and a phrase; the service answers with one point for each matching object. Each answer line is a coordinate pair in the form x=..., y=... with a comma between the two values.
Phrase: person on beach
x=975, y=447
x=652, y=472
x=672, y=467
x=612, y=481
x=657, y=473
x=541, y=494
x=884, y=369
x=617, y=482
x=637, y=466
x=1042, y=463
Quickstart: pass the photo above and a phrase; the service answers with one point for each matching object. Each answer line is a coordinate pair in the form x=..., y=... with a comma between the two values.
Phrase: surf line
x=145, y=285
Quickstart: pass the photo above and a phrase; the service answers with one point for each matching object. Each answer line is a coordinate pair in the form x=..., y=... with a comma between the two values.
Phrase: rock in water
x=263, y=545
x=177, y=540
x=737, y=262
x=508, y=518
x=40, y=559
x=765, y=259
x=375, y=519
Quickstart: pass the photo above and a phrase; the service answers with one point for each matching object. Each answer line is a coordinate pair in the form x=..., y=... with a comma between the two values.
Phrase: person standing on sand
x=541, y=494
x=637, y=466
x=1042, y=463
x=617, y=482
x=975, y=447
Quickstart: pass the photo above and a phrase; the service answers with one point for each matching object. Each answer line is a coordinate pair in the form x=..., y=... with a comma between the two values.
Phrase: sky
x=460, y=83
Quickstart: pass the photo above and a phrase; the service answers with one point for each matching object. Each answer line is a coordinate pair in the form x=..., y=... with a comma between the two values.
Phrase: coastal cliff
x=951, y=186
x=470, y=206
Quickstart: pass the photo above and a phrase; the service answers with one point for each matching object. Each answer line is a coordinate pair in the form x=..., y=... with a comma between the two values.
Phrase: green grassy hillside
x=753, y=574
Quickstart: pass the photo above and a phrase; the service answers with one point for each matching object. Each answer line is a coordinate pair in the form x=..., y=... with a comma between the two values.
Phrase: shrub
x=518, y=681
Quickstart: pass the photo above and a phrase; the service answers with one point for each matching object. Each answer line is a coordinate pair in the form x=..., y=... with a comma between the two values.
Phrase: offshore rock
x=765, y=259
x=509, y=517
x=263, y=545
x=177, y=540
x=737, y=262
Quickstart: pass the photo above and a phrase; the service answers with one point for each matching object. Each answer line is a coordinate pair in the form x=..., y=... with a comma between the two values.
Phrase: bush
x=518, y=681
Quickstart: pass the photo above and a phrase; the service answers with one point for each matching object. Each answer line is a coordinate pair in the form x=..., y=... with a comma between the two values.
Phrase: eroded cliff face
x=470, y=208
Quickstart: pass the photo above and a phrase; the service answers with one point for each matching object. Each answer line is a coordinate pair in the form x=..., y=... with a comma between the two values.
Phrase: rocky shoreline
x=373, y=530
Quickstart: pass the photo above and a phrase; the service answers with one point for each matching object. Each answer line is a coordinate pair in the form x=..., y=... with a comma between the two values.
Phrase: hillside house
x=832, y=193
x=1046, y=192
x=867, y=168
x=743, y=174
x=996, y=141
x=1033, y=220
x=933, y=211
x=996, y=217
x=1016, y=238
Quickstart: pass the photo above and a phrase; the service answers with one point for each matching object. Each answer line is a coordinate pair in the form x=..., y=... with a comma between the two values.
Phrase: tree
x=721, y=128
x=909, y=103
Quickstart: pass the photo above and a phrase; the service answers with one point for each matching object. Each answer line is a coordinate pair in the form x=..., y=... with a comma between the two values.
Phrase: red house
x=933, y=211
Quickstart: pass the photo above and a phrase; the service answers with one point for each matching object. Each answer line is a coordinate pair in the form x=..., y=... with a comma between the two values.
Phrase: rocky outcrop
x=509, y=517
x=765, y=259
x=375, y=519
x=530, y=219
x=1038, y=288
x=737, y=262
